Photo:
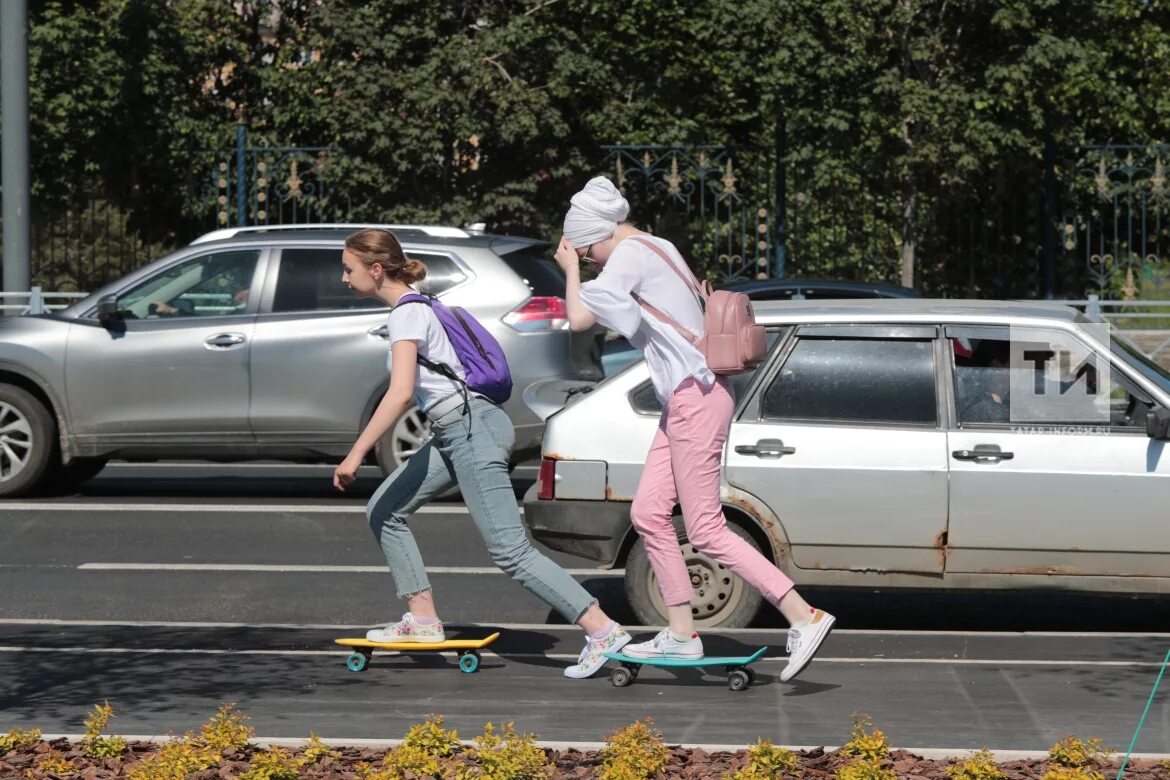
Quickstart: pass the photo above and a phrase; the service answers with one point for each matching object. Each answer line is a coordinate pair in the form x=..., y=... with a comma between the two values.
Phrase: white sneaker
x=592, y=658
x=666, y=646
x=804, y=641
x=408, y=630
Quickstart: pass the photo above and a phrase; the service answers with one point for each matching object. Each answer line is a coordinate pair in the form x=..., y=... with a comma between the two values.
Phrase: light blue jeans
x=472, y=450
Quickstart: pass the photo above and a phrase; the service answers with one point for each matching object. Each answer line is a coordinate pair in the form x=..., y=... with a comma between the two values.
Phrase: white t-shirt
x=635, y=267
x=416, y=322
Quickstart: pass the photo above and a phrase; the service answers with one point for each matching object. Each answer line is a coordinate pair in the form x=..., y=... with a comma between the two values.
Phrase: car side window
x=207, y=286
x=310, y=280
x=644, y=401
x=985, y=376
x=870, y=380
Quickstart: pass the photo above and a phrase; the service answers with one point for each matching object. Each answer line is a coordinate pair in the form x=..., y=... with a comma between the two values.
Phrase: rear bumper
x=590, y=529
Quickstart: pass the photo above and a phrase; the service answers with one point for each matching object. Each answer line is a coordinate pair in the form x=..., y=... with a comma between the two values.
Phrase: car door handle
x=381, y=331
x=765, y=448
x=983, y=452
x=224, y=340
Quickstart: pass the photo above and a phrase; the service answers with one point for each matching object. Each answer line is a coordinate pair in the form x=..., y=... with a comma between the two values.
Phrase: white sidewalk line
x=313, y=569
x=303, y=509
x=932, y=753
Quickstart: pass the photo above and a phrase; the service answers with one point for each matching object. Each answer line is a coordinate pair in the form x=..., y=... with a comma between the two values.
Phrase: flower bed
x=222, y=749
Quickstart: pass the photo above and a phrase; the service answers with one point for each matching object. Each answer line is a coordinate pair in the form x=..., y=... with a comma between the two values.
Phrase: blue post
x=241, y=176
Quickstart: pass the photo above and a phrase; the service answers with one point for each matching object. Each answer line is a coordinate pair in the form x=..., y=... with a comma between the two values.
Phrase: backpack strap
x=442, y=369
x=691, y=282
x=664, y=317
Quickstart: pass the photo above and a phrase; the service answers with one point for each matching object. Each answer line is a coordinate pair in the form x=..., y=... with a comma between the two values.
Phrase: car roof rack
x=436, y=231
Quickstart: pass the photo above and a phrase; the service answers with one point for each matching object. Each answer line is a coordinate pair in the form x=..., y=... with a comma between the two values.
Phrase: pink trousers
x=683, y=468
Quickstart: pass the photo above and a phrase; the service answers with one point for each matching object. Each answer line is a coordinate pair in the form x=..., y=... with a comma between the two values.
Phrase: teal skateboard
x=739, y=676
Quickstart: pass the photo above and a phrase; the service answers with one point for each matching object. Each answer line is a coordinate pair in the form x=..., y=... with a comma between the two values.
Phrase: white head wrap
x=594, y=212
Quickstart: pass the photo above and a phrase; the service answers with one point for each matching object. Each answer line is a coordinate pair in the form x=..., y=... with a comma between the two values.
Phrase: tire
x=721, y=599
x=27, y=442
x=406, y=436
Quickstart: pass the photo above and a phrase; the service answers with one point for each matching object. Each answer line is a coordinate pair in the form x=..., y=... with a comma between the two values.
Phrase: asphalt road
x=172, y=589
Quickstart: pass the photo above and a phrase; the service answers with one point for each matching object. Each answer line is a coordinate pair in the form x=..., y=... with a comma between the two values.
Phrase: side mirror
x=107, y=309
x=1158, y=423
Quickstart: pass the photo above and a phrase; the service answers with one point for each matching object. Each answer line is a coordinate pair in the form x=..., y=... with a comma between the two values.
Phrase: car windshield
x=1148, y=368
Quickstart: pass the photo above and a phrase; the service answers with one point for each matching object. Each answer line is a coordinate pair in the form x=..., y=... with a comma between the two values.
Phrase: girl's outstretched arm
x=396, y=401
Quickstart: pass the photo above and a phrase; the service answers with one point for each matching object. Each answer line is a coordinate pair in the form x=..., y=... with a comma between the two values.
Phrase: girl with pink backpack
x=693, y=340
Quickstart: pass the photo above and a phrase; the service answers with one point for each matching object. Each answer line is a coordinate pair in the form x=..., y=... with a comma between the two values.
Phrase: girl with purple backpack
x=646, y=292
x=447, y=363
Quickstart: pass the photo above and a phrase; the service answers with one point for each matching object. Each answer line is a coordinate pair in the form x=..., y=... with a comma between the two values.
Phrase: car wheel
x=720, y=599
x=26, y=441
x=406, y=436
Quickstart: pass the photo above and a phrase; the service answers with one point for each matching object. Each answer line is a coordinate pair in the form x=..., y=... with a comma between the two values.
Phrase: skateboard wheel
x=750, y=675
x=357, y=661
x=469, y=662
x=621, y=677
x=738, y=680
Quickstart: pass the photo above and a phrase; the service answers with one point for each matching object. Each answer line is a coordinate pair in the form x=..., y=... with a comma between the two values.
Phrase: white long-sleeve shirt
x=635, y=267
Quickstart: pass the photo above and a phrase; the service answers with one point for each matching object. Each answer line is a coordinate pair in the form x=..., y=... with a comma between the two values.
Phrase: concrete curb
x=932, y=753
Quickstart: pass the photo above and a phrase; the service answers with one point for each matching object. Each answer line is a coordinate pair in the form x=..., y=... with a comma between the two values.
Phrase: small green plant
x=175, y=760
x=315, y=750
x=227, y=730
x=93, y=743
x=53, y=762
x=863, y=769
x=1075, y=753
x=979, y=766
x=424, y=752
x=507, y=756
x=868, y=745
x=636, y=752
x=1072, y=773
x=18, y=738
x=275, y=763
x=766, y=761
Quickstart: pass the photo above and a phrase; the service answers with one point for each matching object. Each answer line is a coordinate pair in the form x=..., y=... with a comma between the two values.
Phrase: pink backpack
x=732, y=342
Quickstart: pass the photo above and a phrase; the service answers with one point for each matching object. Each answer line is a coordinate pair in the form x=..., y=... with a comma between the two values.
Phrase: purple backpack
x=482, y=358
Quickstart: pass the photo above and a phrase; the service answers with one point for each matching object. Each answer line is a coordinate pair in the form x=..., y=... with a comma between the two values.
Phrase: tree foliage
x=907, y=123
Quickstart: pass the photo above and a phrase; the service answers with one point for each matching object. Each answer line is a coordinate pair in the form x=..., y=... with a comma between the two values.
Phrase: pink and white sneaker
x=408, y=630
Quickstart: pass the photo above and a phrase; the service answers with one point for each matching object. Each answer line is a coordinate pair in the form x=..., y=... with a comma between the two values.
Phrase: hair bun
x=414, y=271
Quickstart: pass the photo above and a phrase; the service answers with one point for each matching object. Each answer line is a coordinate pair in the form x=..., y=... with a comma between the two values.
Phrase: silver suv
x=245, y=345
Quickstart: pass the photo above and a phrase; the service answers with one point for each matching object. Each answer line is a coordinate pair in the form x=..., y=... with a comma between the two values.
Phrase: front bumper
x=589, y=529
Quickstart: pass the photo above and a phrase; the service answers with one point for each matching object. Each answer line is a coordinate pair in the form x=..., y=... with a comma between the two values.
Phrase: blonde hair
x=377, y=246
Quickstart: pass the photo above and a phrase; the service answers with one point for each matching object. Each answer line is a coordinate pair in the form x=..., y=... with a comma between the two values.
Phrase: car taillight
x=541, y=312
x=546, y=481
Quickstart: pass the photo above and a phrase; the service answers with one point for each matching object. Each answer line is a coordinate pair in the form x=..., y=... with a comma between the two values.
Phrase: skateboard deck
x=739, y=676
x=364, y=650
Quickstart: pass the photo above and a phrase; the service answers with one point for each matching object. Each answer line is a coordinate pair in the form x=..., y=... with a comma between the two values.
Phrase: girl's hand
x=345, y=474
x=566, y=256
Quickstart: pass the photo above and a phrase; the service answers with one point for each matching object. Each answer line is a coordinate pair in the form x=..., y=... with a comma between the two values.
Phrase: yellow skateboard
x=364, y=649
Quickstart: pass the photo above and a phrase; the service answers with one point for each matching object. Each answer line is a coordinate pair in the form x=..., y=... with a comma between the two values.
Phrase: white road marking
x=299, y=568
x=301, y=509
x=573, y=656
x=547, y=627
x=325, y=467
